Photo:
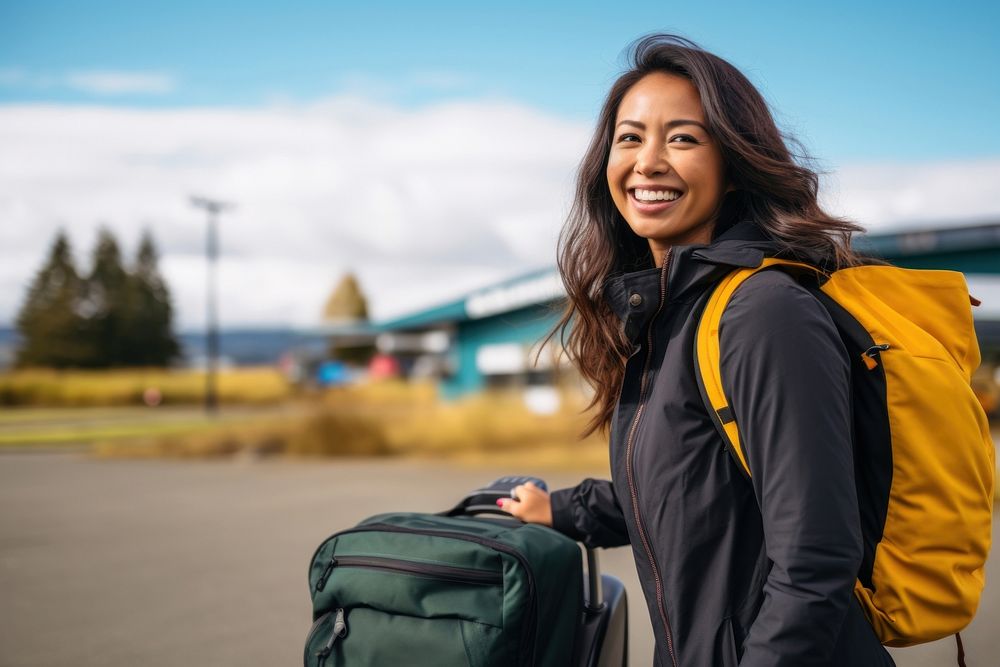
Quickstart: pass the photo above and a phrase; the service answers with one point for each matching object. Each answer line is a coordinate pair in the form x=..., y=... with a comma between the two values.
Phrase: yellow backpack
x=927, y=464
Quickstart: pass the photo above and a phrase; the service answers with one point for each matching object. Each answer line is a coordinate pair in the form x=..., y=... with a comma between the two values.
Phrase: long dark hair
x=772, y=186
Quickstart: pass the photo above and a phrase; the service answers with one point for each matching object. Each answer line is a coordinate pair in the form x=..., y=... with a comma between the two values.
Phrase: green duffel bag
x=425, y=589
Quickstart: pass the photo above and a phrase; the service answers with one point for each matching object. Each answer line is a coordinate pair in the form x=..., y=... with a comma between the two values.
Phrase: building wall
x=526, y=326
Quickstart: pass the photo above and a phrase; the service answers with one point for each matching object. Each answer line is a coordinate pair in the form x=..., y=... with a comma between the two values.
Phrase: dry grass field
x=82, y=388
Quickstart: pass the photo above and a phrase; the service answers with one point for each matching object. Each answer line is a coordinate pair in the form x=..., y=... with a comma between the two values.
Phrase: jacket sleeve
x=786, y=374
x=589, y=512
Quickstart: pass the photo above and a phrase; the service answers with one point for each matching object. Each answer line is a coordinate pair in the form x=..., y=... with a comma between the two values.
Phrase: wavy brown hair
x=772, y=186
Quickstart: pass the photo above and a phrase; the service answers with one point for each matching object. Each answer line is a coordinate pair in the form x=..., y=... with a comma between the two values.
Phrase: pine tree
x=107, y=303
x=113, y=318
x=50, y=321
x=148, y=338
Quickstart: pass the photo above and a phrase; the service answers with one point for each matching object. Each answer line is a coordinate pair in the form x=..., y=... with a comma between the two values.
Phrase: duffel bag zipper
x=460, y=575
x=527, y=648
x=339, y=630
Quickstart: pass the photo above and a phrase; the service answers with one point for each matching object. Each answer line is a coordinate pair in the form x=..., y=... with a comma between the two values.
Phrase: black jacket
x=756, y=573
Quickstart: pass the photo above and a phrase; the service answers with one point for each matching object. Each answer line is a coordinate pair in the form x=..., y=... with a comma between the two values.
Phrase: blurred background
x=267, y=269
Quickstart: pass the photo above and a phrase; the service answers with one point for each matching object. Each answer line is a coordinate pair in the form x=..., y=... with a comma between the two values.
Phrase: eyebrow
x=668, y=126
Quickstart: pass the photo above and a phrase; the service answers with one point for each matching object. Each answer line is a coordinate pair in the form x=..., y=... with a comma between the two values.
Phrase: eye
x=686, y=138
x=628, y=138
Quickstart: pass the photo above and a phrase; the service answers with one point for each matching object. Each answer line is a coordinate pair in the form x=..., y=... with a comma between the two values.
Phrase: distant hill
x=250, y=347
x=240, y=347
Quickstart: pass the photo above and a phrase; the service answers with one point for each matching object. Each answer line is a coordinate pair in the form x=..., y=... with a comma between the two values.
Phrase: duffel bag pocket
x=374, y=637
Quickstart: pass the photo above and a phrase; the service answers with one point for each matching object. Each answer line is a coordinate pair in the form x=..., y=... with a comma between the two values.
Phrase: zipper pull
x=339, y=625
x=321, y=584
x=869, y=356
x=339, y=630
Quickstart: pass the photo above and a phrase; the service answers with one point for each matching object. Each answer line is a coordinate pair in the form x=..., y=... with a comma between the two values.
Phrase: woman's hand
x=532, y=504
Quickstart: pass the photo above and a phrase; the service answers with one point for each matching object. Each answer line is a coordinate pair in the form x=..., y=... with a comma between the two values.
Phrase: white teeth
x=656, y=195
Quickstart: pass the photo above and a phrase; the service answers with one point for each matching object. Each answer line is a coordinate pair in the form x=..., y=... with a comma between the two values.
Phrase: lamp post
x=213, y=207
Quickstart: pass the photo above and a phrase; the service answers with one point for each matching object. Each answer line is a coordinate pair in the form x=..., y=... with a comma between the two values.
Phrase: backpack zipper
x=460, y=575
x=527, y=647
x=630, y=451
x=871, y=356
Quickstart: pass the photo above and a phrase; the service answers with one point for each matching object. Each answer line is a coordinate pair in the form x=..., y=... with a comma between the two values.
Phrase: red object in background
x=152, y=397
x=383, y=366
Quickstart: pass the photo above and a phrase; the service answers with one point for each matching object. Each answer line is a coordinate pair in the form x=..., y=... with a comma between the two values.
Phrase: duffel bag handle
x=484, y=501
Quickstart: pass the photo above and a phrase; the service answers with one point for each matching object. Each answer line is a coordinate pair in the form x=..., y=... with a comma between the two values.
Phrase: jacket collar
x=635, y=296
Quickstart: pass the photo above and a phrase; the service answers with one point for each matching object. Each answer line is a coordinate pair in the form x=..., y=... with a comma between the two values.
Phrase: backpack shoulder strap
x=708, y=357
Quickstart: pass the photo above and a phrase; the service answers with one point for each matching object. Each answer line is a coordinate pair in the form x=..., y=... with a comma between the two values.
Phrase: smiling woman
x=687, y=178
x=680, y=118
x=665, y=172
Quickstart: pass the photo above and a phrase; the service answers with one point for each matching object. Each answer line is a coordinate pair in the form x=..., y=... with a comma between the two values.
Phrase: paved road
x=176, y=563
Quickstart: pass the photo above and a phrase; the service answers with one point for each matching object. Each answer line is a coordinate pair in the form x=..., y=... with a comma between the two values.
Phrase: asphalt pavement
x=166, y=563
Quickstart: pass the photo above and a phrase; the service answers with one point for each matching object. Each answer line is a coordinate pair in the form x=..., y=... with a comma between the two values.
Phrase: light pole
x=213, y=207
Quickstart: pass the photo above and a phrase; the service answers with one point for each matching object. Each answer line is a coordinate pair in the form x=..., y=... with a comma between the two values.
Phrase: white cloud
x=891, y=195
x=423, y=204
x=93, y=82
x=117, y=83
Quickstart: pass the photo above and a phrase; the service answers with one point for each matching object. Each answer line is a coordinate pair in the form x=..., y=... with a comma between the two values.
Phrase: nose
x=651, y=160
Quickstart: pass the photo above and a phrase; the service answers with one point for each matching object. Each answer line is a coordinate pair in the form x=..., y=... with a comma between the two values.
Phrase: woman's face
x=665, y=172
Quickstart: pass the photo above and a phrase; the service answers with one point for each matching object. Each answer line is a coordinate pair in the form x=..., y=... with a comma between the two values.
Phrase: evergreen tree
x=113, y=318
x=107, y=303
x=50, y=321
x=148, y=338
x=345, y=306
x=346, y=302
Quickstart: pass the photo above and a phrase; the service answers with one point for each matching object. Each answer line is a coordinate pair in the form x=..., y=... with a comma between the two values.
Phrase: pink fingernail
x=500, y=502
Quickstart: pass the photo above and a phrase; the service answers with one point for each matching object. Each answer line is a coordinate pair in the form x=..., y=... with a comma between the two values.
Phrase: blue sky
x=430, y=147
x=857, y=81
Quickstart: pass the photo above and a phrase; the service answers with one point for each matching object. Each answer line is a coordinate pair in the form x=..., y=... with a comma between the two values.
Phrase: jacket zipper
x=460, y=575
x=629, y=451
x=527, y=647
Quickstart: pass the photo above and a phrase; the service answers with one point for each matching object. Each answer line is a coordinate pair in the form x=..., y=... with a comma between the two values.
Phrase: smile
x=656, y=195
x=653, y=201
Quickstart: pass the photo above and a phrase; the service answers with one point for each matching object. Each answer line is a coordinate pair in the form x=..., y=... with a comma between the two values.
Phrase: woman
x=686, y=178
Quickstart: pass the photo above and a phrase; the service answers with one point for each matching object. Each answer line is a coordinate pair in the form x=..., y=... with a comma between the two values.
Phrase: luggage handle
x=483, y=501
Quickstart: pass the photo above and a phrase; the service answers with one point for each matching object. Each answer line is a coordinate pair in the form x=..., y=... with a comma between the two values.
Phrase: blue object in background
x=333, y=373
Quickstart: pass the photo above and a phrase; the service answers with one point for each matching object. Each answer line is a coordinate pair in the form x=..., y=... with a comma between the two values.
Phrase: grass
x=22, y=428
x=82, y=388
x=393, y=419
x=76, y=435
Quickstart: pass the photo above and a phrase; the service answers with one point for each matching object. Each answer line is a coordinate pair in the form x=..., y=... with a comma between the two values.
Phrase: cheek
x=614, y=176
x=711, y=179
x=614, y=168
